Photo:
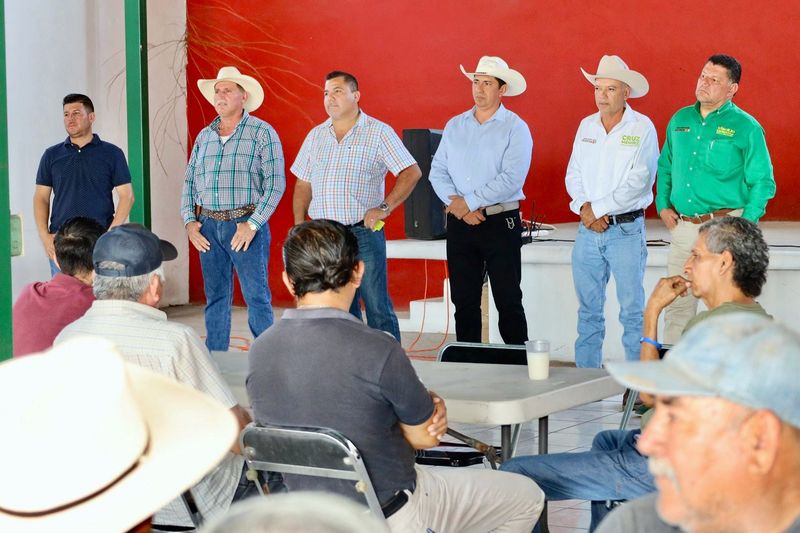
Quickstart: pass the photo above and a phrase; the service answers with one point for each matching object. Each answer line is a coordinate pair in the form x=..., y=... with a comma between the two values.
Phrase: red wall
x=405, y=55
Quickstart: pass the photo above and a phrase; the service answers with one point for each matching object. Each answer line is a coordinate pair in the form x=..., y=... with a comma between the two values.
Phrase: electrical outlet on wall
x=16, y=235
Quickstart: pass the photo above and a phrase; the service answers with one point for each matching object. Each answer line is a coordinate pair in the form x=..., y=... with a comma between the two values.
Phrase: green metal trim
x=6, y=334
x=138, y=113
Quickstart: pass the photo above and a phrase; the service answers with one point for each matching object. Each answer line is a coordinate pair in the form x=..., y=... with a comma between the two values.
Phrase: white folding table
x=503, y=395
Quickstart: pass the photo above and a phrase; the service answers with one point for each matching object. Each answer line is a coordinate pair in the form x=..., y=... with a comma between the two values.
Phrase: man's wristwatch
x=384, y=207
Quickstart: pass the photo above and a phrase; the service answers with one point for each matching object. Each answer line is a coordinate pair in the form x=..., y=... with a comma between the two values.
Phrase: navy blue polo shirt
x=82, y=180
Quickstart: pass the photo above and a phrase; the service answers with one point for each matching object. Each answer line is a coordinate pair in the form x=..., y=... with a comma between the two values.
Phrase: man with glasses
x=714, y=163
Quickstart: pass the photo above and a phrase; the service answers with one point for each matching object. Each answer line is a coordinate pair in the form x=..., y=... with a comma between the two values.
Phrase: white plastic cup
x=538, y=352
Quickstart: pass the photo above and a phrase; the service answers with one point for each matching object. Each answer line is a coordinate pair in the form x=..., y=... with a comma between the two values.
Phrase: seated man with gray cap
x=128, y=284
x=724, y=443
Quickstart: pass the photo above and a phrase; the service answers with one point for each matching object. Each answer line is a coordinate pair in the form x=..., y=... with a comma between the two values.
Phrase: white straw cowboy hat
x=93, y=444
x=495, y=66
x=255, y=93
x=614, y=68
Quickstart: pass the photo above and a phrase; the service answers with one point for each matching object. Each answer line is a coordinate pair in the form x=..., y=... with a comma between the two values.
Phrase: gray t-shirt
x=324, y=368
x=640, y=515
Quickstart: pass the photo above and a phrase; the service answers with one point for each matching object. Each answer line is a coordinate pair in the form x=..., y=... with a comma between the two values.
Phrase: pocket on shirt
x=624, y=158
x=723, y=156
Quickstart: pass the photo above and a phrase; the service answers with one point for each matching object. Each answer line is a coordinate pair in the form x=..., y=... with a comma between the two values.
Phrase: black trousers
x=492, y=246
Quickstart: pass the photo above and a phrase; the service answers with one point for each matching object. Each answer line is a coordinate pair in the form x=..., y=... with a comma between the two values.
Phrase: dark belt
x=622, y=218
x=699, y=219
x=395, y=503
x=228, y=214
x=359, y=224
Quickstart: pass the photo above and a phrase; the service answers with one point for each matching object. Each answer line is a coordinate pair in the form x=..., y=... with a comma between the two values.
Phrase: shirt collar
x=110, y=306
x=215, y=123
x=727, y=106
x=362, y=118
x=627, y=116
x=318, y=312
x=500, y=114
x=65, y=280
x=95, y=141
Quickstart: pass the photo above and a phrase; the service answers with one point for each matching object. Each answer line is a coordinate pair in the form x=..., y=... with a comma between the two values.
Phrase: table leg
x=505, y=442
x=543, y=431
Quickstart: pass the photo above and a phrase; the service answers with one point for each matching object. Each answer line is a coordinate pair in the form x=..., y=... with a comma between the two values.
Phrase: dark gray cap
x=137, y=249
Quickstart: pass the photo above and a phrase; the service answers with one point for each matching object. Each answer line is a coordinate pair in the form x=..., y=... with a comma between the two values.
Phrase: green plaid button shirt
x=247, y=169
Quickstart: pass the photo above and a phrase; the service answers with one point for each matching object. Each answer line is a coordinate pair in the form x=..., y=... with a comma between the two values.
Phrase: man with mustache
x=714, y=163
x=610, y=182
x=727, y=269
x=233, y=183
x=724, y=443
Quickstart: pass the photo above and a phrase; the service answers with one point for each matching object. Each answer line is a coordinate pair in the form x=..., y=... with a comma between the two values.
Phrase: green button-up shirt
x=713, y=163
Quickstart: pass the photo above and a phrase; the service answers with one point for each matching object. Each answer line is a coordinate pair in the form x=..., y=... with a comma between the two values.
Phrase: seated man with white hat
x=88, y=445
x=724, y=443
x=128, y=284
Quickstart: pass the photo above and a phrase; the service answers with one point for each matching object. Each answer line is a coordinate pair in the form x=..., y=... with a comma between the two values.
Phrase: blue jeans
x=374, y=288
x=53, y=268
x=218, y=264
x=621, y=250
x=612, y=470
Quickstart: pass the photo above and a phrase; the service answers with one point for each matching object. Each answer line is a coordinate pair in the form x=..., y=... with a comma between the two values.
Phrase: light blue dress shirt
x=485, y=163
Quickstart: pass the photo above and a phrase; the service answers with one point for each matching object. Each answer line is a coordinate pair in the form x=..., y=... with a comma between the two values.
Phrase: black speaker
x=423, y=211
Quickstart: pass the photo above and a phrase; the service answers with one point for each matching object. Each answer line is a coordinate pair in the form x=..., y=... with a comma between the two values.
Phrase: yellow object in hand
x=378, y=226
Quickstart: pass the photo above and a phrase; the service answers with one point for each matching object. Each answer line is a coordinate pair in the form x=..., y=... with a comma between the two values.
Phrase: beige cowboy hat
x=93, y=444
x=495, y=66
x=614, y=68
x=255, y=93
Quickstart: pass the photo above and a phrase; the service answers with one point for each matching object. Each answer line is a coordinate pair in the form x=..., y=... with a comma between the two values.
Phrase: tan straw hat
x=614, y=68
x=255, y=93
x=495, y=66
x=93, y=444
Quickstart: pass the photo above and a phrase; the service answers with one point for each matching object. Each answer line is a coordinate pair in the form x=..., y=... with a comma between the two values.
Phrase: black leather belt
x=359, y=224
x=395, y=503
x=622, y=218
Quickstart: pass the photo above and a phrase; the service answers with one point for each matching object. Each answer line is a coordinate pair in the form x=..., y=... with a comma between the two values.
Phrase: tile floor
x=570, y=431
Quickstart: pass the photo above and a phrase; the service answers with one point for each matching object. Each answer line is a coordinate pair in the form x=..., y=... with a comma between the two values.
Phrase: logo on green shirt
x=631, y=140
x=727, y=132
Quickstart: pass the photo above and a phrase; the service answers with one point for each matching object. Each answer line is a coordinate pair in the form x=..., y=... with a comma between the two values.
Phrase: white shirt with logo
x=614, y=171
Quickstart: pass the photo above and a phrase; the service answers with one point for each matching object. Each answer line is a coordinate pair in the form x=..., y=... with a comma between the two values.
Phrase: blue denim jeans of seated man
x=218, y=264
x=374, y=290
x=612, y=470
x=620, y=251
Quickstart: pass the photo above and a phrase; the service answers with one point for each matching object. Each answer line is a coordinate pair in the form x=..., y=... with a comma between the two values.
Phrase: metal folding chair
x=308, y=451
x=634, y=395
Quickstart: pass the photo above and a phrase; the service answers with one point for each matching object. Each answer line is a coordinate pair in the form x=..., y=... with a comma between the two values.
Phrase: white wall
x=55, y=48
